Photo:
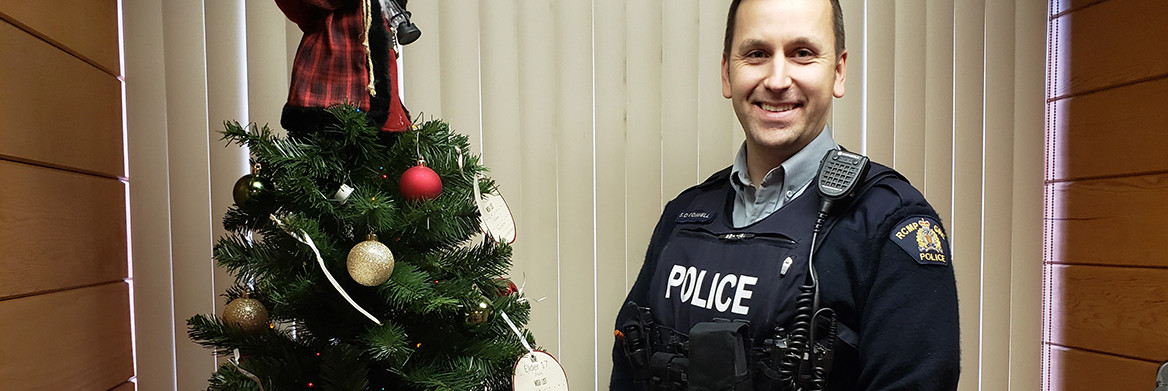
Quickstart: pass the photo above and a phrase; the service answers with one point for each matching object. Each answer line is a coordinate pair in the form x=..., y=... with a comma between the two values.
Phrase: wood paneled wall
x=64, y=296
x=1107, y=182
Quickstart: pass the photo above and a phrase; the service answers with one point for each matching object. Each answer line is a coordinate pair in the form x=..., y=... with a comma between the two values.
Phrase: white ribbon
x=516, y=330
x=245, y=372
x=303, y=238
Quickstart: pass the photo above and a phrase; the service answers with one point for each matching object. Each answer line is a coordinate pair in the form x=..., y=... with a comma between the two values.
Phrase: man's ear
x=841, y=73
x=725, y=78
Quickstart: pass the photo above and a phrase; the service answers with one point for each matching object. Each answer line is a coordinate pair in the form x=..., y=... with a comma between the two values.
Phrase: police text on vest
x=692, y=286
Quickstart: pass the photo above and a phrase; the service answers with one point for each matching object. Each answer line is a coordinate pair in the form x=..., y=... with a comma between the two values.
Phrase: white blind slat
x=574, y=89
x=190, y=212
x=500, y=96
x=909, y=90
x=938, y=108
x=879, y=89
x=643, y=151
x=679, y=86
x=847, y=121
x=966, y=226
x=611, y=243
x=998, y=159
x=267, y=70
x=538, y=247
x=715, y=136
x=146, y=146
x=459, y=59
x=226, y=98
x=423, y=69
x=1026, y=269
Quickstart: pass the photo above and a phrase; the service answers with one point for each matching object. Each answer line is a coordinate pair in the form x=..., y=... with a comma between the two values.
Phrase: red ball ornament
x=420, y=183
x=509, y=290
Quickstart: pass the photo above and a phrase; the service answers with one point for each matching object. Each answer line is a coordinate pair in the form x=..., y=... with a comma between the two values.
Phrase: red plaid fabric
x=331, y=66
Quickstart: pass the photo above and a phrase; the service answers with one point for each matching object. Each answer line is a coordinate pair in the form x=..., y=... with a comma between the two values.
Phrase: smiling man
x=727, y=297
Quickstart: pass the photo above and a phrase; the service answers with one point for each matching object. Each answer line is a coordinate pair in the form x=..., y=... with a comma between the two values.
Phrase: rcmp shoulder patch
x=694, y=216
x=924, y=240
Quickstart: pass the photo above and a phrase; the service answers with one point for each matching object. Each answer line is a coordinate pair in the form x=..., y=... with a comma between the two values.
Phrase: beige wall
x=64, y=296
x=591, y=114
x=1107, y=299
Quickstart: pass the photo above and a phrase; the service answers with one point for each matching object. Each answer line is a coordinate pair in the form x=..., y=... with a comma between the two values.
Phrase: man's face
x=782, y=72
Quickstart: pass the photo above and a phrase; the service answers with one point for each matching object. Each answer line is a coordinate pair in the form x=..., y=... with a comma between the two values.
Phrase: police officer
x=737, y=246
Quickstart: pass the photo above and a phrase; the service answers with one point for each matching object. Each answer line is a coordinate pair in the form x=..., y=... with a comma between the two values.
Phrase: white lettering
x=729, y=280
x=687, y=286
x=675, y=277
x=697, y=298
x=742, y=293
x=710, y=297
x=723, y=292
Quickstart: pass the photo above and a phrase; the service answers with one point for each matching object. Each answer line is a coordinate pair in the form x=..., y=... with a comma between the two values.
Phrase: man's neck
x=760, y=162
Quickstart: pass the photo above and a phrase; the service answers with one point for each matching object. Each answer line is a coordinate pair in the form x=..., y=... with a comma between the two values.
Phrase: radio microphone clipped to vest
x=805, y=364
x=839, y=174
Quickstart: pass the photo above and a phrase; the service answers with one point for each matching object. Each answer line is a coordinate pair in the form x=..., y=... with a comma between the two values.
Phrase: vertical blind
x=591, y=114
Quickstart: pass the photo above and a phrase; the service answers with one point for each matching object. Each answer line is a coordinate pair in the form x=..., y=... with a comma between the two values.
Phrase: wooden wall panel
x=1119, y=131
x=1113, y=44
x=1079, y=370
x=72, y=340
x=1112, y=221
x=1115, y=310
x=59, y=229
x=56, y=108
x=127, y=386
x=1061, y=6
x=88, y=28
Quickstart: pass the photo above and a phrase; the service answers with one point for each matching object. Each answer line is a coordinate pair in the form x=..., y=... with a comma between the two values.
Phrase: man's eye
x=756, y=54
x=803, y=54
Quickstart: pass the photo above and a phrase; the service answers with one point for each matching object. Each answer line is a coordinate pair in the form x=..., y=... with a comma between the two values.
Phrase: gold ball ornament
x=478, y=313
x=246, y=313
x=370, y=263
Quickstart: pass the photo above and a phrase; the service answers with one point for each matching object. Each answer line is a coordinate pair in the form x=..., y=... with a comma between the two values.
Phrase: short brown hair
x=837, y=24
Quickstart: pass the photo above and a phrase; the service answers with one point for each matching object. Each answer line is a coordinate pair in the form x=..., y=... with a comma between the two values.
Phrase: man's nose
x=778, y=77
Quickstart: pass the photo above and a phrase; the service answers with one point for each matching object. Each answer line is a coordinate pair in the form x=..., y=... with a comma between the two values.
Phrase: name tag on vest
x=694, y=216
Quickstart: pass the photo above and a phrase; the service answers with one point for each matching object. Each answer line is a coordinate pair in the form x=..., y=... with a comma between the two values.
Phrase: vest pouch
x=718, y=357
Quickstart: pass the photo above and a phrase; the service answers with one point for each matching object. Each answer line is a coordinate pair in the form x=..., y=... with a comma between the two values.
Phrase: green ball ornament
x=247, y=188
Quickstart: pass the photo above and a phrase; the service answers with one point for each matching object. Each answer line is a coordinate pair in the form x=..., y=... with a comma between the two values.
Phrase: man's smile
x=777, y=108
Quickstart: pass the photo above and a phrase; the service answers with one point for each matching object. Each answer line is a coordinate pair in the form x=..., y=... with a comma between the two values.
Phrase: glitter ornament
x=420, y=183
x=246, y=313
x=247, y=188
x=370, y=263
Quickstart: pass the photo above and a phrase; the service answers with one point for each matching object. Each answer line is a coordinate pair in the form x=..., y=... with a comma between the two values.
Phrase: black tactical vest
x=708, y=269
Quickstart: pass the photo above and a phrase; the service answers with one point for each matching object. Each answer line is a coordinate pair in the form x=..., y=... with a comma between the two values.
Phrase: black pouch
x=718, y=357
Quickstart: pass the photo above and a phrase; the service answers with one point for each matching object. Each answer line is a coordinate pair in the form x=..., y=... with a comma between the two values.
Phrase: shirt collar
x=795, y=173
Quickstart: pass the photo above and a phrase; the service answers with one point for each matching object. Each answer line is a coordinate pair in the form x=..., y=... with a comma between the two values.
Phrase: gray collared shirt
x=780, y=185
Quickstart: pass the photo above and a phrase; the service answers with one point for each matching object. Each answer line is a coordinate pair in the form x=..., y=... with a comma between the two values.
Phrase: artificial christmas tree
x=427, y=312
